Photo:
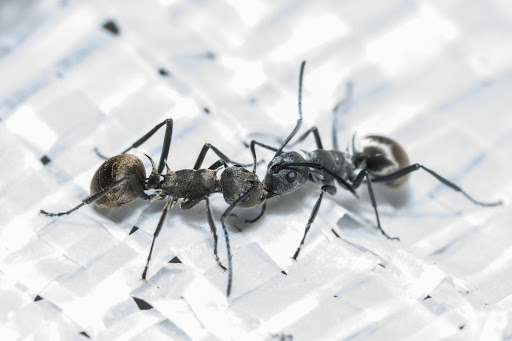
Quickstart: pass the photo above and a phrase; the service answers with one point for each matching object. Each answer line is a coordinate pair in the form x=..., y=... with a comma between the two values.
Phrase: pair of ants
x=122, y=178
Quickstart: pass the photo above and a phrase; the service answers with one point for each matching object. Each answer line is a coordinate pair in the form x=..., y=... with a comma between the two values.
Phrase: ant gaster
x=122, y=179
x=381, y=160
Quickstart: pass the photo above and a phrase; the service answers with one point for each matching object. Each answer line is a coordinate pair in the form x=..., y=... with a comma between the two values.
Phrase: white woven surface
x=436, y=76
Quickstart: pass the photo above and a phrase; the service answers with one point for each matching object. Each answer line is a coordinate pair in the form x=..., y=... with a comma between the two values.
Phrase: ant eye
x=291, y=177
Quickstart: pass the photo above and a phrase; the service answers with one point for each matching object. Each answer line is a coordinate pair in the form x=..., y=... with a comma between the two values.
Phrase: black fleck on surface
x=85, y=334
x=45, y=160
x=175, y=260
x=284, y=273
x=111, y=26
x=143, y=305
x=335, y=233
x=133, y=230
x=427, y=297
x=38, y=298
x=210, y=55
x=206, y=110
x=164, y=72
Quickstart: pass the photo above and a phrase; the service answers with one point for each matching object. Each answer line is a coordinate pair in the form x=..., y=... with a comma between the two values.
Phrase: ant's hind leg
x=365, y=173
x=170, y=203
x=325, y=188
x=136, y=186
x=404, y=171
x=166, y=146
x=213, y=229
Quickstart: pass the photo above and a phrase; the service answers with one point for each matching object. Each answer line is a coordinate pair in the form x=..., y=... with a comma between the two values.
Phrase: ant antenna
x=299, y=121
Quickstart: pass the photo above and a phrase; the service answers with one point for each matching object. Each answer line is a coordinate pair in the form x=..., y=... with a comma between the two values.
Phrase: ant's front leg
x=213, y=229
x=325, y=188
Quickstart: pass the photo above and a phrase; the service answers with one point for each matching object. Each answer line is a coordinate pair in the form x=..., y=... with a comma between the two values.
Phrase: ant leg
x=185, y=205
x=213, y=229
x=206, y=148
x=359, y=178
x=417, y=166
x=165, y=149
x=191, y=202
x=325, y=188
x=252, y=145
x=316, y=134
x=341, y=109
x=170, y=203
x=228, y=247
x=218, y=164
x=263, y=209
x=136, y=186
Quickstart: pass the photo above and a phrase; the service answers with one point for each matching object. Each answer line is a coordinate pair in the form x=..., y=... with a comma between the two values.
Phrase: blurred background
x=76, y=75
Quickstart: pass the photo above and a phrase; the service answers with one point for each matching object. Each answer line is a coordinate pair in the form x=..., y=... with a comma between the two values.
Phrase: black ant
x=122, y=179
x=381, y=160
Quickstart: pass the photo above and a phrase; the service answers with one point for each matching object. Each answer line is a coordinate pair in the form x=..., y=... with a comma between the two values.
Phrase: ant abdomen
x=114, y=169
x=382, y=156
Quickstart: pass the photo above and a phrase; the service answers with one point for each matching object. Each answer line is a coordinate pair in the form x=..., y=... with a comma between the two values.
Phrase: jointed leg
x=206, y=148
x=170, y=203
x=365, y=174
x=218, y=164
x=136, y=186
x=325, y=188
x=213, y=229
x=165, y=148
x=417, y=166
x=253, y=145
x=228, y=247
x=263, y=209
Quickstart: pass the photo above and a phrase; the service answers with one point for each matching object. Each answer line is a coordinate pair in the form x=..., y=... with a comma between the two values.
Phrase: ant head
x=236, y=181
x=282, y=176
x=381, y=156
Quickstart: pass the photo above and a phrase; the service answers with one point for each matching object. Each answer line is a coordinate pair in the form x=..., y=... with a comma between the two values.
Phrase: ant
x=122, y=179
x=381, y=160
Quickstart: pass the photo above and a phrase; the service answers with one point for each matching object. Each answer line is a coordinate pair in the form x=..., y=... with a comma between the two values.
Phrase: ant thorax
x=236, y=181
x=190, y=183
